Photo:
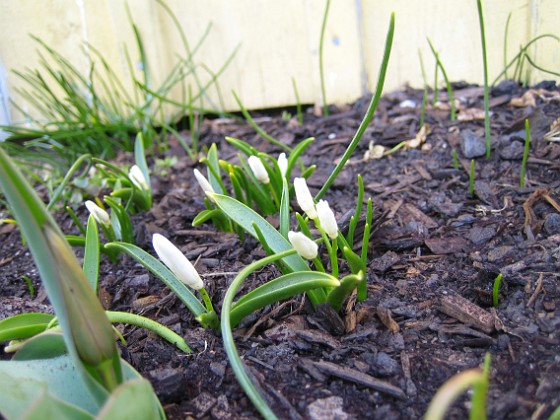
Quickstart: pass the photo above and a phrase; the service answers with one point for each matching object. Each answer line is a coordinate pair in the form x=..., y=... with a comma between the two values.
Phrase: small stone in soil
x=552, y=224
x=472, y=145
x=327, y=408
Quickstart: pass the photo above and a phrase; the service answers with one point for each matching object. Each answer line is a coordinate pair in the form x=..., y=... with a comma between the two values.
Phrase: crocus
x=327, y=219
x=100, y=215
x=176, y=261
x=304, y=198
x=203, y=182
x=137, y=178
x=304, y=246
x=283, y=164
x=258, y=169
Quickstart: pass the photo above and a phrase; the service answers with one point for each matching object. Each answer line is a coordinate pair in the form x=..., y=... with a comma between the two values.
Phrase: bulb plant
x=257, y=181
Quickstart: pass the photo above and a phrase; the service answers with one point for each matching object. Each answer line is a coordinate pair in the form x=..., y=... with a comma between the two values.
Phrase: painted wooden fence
x=277, y=41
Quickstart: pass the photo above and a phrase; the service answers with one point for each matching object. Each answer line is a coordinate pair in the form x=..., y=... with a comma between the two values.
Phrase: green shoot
x=369, y=113
x=480, y=391
x=425, y=94
x=486, y=94
x=455, y=159
x=29, y=285
x=447, y=82
x=471, y=179
x=298, y=102
x=506, y=36
x=496, y=290
x=525, y=154
x=321, y=67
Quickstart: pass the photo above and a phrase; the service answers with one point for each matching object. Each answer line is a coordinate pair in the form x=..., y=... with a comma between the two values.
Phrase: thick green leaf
x=245, y=217
x=163, y=273
x=285, y=209
x=213, y=163
x=47, y=345
x=34, y=221
x=145, y=406
x=123, y=227
x=206, y=215
x=347, y=285
x=242, y=146
x=22, y=382
x=280, y=288
x=140, y=156
x=296, y=152
x=91, y=253
x=46, y=406
x=24, y=325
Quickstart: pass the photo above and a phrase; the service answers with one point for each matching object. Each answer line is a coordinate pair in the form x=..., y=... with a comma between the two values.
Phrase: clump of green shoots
x=75, y=114
x=521, y=57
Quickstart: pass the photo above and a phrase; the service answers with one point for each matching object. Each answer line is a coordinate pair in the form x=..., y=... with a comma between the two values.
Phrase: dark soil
x=435, y=253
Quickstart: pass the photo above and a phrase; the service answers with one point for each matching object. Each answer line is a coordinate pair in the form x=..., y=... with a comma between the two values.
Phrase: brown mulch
x=435, y=253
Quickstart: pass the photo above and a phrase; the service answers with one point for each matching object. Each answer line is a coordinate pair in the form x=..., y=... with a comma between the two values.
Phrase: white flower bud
x=304, y=246
x=137, y=178
x=100, y=215
x=304, y=198
x=203, y=182
x=327, y=219
x=176, y=261
x=283, y=164
x=258, y=169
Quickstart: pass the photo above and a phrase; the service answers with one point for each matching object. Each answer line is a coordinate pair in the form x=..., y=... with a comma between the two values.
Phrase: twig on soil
x=358, y=377
x=538, y=289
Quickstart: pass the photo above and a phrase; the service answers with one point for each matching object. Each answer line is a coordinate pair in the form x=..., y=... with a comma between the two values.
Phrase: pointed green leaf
x=162, y=272
x=280, y=288
x=91, y=253
x=245, y=217
x=24, y=325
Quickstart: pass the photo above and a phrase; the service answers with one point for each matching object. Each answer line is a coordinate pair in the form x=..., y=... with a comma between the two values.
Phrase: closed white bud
x=304, y=198
x=176, y=261
x=100, y=215
x=327, y=219
x=304, y=246
x=137, y=177
x=283, y=164
x=203, y=182
x=258, y=169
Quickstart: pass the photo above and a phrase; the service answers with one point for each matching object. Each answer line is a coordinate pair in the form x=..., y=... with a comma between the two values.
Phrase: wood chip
x=318, y=337
x=451, y=245
x=467, y=312
x=384, y=315
x=358, y=377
